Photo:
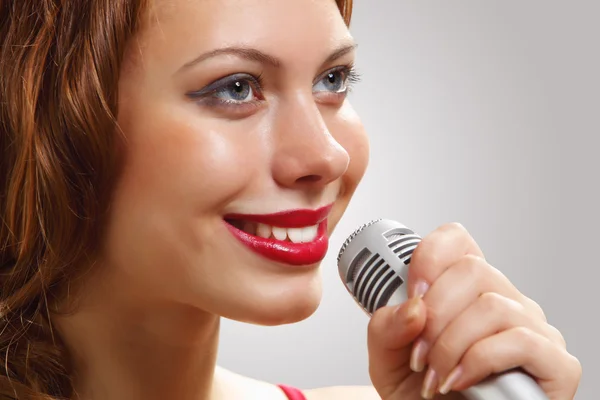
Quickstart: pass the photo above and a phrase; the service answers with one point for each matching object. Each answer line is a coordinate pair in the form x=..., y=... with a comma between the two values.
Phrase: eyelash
x=352, y=75
x=207, y=95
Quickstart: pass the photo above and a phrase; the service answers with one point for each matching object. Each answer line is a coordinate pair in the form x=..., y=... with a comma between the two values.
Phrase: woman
x=166, y=163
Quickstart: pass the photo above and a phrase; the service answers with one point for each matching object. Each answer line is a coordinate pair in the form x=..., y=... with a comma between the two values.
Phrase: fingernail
x=429, y=384
x=421, y=287
x=418, y=355
x=450, y=380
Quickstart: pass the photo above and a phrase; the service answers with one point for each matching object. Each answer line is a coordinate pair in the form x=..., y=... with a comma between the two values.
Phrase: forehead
x=177, y=30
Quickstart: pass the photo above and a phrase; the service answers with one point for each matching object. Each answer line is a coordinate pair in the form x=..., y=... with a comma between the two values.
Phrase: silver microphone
x=373, y=265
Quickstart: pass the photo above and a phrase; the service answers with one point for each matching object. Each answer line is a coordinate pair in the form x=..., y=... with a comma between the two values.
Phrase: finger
x=489, y=314
x=451, y=294
x=390, y=334
x=557, y=372
x=438, y=251
x=534, y=307
x=457, y=288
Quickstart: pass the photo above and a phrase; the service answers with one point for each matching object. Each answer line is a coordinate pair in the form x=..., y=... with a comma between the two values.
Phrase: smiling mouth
x=305, y=234
x=296, y=237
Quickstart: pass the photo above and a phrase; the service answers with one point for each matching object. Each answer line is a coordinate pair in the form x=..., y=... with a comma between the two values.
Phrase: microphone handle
x=511, y=385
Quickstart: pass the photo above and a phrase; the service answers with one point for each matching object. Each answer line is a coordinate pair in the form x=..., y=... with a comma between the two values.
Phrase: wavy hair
x=60, y=62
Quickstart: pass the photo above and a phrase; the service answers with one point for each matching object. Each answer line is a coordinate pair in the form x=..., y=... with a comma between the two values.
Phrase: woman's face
x=234, y=114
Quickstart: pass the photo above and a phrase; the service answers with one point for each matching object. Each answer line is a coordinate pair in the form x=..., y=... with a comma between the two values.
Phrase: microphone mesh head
x=353, y=235
x=373, y=262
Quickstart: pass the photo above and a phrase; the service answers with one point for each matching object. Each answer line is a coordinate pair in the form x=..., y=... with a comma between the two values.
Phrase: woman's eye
x=239, y=91
x=236, y=89
x=333, y=81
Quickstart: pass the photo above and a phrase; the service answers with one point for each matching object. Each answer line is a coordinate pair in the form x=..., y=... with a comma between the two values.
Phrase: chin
x=285, y=313
x=283, y=307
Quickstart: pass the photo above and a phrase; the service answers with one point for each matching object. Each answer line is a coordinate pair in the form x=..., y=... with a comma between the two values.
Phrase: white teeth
x=309, y=233
x=295, y=234
x=279, y=233
x=264, y=231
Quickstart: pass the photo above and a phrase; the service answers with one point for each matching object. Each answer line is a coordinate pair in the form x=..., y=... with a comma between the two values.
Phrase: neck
x=141, y=351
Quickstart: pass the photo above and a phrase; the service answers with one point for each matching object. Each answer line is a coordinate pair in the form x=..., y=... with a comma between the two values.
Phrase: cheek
x=172, y=166
x=178, y=172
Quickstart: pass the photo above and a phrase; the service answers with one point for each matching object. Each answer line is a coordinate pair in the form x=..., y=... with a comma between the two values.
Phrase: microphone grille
x=373, y=281
x=353, y=235
x=373, y=263
x=402, y=244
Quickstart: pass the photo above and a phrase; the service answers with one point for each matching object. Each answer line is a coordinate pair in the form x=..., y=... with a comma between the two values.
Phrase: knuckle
x=453, y=227
x=471, y=265
x=494, y=303
x=477, y=269
x=443, y=350
x=572, y=370
x=527, y=338
x=576, y=367
x=556, y=336
x=478, y=355
x=535, y=307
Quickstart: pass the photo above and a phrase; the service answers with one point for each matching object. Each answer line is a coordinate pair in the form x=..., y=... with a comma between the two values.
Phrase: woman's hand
x=464, y=322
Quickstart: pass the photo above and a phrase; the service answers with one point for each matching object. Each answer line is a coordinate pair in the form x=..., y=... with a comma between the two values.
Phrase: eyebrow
x=252, y=54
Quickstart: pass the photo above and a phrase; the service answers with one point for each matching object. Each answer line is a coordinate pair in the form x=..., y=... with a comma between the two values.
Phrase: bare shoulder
x=342, y=393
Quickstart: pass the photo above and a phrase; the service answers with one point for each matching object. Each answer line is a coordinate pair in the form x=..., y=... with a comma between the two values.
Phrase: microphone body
x=373, y=265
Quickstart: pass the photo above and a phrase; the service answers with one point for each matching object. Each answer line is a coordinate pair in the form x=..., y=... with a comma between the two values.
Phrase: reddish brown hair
x=59, y=73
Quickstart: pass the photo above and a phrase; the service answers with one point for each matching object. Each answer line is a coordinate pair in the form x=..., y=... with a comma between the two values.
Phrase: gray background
x=482, y=112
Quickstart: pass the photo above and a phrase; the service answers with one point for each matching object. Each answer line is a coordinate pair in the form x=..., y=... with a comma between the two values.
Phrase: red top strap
x=292, y=393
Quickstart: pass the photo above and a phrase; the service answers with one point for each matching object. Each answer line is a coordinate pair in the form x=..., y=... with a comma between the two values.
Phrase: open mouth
x=305, y=234
x=296, y=237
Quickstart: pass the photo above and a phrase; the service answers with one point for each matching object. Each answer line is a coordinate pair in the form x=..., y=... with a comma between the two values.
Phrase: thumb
x=391, y=333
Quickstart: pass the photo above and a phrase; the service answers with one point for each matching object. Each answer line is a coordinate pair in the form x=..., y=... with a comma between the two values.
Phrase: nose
x=306, y=153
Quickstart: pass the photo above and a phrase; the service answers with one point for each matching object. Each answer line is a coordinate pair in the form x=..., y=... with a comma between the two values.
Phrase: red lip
x=287, y=219
x=286, y=252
